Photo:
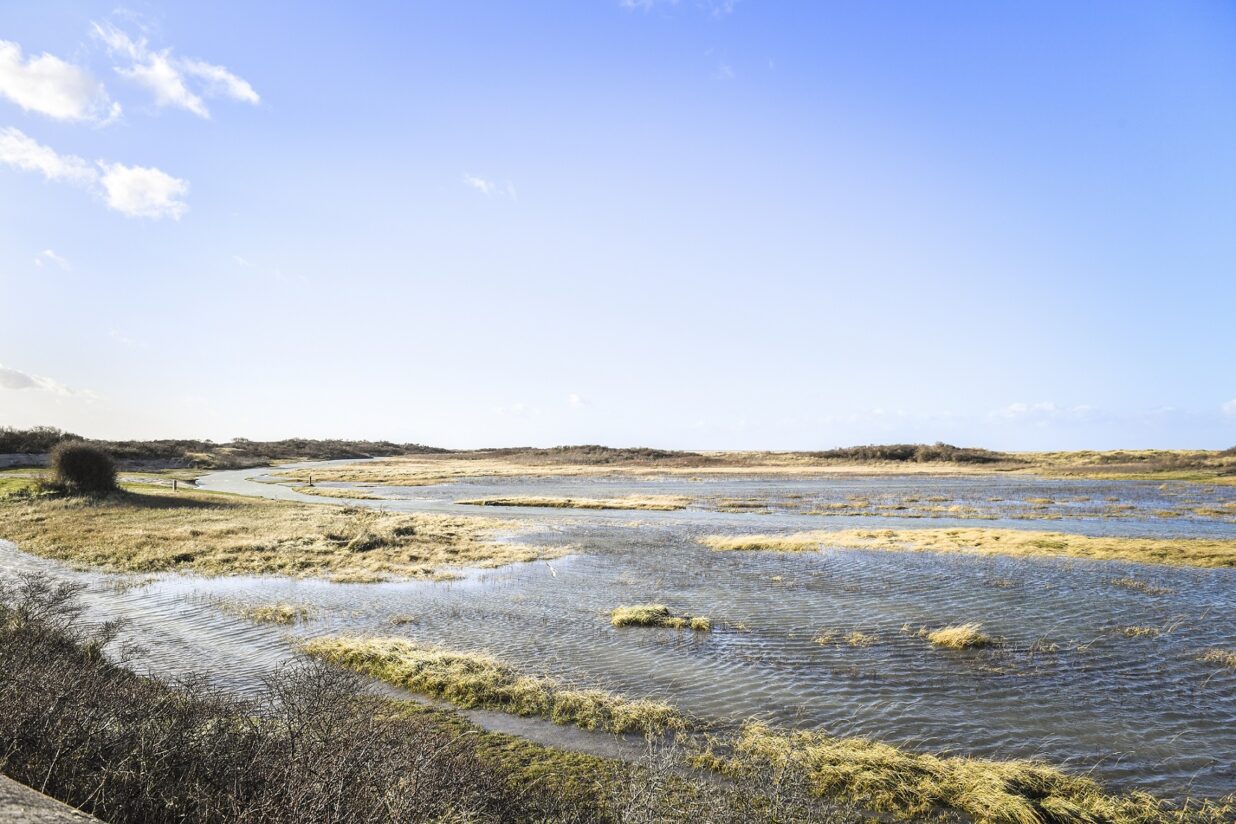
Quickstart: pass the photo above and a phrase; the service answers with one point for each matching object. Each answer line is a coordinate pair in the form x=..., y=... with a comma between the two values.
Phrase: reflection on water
x=1067, y=684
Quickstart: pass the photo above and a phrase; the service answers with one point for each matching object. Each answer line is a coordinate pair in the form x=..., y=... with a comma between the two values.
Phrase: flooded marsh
x=1102, y=666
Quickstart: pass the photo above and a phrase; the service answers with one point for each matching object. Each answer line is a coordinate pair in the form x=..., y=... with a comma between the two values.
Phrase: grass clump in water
x=960, y=636
x=1225, y=658
x=1141, y=632
x=657, y=615
x=279, y=613
x=478, y=680
x=918, y=786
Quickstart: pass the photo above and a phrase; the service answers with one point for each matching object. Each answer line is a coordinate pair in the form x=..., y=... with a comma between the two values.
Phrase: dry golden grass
x=478, y=680
x=961, y=636
x=662, y=503
x=916, y=786
x=1136, y=464
x=337, y=492
x=156, y=530
x=657, y=615
x=1140, y=632
x=1223, y=657
x=423, y=470
x=419, y=470
x=1202, y=552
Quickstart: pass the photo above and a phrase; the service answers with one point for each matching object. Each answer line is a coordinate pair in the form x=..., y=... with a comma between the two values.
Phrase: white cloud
x=485, y=187
x=220, y=82
x=164, y=75
x=490, y=188
x=49, y=256
x=15, y=380
x=576, y=401
x=243, y=263
x=1229, y=408
x=23, y=152
x=136, y=191
x=140, y=191
x=724, y=72
x=717, y=8
x=50, y=86
x=646, y=5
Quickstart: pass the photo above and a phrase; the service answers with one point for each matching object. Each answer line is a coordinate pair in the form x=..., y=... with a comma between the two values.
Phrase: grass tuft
x=657, y=615
x=279, y=613
x=1225, y=658
x=961, y=636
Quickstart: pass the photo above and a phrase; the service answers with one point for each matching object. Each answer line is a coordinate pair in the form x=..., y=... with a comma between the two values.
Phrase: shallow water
x=1139, y=712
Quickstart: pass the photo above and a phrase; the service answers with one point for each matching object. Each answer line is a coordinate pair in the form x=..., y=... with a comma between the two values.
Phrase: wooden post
x=173, y=484
x=311, y=479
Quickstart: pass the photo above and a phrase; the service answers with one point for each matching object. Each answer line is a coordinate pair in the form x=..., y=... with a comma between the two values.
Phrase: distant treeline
x=914, y=453
x=237, y=453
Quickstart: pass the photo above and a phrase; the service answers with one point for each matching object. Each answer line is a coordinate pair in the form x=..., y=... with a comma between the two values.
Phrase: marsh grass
x=157, y=530
x=916, y=786
x=1225, y=658
x=1140, y=632
x=661, y=503
x=960, y=636
x=657, y=615
x=278, y=613
x=1202, y=552
x=337, y=492
x=1140, y=586
x=478, y=680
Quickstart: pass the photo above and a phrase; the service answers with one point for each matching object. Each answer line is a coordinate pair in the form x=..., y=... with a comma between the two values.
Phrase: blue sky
x=749, y=224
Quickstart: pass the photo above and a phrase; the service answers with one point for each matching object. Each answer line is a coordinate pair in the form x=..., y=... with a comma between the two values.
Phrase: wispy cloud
x=519, y=409
x=724, y=71
x=167, y=77
x=717, y=8
x=1229, y=408
x=491, y=188
x=135, y=191
x=50, y=86
x=49, y=256
x=646, y=5
x=575, y=401
x=16, y=380
x=485, y=187
x=25, y=153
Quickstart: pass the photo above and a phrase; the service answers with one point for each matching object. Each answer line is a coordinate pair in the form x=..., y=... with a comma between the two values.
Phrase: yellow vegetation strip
x=1201, y=552
x=478, y=680
x=914, y=786
x=158, y=530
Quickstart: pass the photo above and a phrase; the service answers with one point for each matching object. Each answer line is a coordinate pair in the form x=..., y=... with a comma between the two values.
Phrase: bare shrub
x=81, y=468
